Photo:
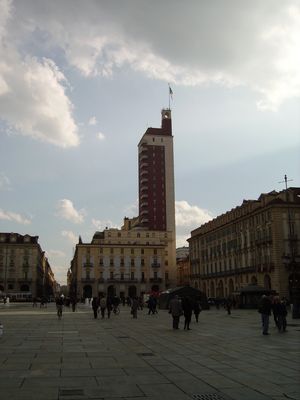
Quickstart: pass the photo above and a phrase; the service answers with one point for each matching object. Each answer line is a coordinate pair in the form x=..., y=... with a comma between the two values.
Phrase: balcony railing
x=155, y=265
x=87, y=280
x=88, y=265
x=119, y=280
x=155, y=280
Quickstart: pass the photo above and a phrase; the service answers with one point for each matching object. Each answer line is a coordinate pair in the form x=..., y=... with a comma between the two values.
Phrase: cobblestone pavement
x=221, y=357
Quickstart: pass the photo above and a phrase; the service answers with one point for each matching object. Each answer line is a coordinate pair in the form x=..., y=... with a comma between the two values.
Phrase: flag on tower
x=171, y=92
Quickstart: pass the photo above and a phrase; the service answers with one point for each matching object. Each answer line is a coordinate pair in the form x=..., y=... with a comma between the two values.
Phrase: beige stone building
x=183, y=266
x=257, y=242
x=24, y=269
x=125, y=262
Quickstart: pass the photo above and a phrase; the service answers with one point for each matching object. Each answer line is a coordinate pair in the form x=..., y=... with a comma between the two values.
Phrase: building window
x=122, y=276
x=122, y=250
x=111, y=275
x=101, y=250
x=155, y=275
x=143, y=276
x=111, y=262
x=166, y=276
x=101, y=261
x=142, y=251
x=155, y=251
x=142, y=262
x=132, y=262
x=132, y=276
x=132, y=251
x=166, y=262
x=111, y=250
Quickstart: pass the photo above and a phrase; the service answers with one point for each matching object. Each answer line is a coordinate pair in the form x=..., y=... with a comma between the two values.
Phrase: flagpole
x=169, y=97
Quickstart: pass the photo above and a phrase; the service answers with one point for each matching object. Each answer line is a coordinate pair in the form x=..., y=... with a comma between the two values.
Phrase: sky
x=80, y=82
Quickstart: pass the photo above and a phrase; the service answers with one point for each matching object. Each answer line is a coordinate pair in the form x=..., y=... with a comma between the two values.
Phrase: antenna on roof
x=286, y=180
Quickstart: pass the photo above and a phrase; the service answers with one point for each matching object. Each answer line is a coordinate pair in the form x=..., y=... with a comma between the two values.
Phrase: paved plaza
x=222, y=357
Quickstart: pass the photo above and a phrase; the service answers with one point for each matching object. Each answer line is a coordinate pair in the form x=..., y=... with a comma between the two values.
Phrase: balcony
x=87, y=280
x=119, y=280
x=155, y=264
x=143, y=165
x=155, y=280
x=143, y=157
x=88, y=265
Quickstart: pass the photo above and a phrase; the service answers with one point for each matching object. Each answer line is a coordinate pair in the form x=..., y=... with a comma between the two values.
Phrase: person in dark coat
x=228, y=305
x=276, y=309
x=134, y=307
x=187, y=312
x=197, y=309
x=264, y=308
x=281, y=311
x=175, y=309
x=95, y=306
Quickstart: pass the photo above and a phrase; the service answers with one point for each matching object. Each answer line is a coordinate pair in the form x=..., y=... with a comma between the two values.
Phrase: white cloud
x=93, y=121
x=100, y=136
x=56, y=253
x=72, y=238
x=33, y=100
x=100, y=225
x=188, y=218
x=66, y=210
x=132, y=210
x=4, y=182
x=255, y=45
x=13, y=217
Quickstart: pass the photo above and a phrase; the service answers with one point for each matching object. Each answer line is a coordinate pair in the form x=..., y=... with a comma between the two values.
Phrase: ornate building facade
x=257, y=242
x=123, y=262
x=24, y=268
x=141, y=256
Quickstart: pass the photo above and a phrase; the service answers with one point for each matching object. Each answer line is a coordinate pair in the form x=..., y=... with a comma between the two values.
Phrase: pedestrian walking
x=95, y=306
x=175, y=309
x=103, y=306
x=264, y=308
x=228, y=305
x=281, y=312
x=73, y=302
x=152, y=303
x=187, y=312
x=109, y=306
x=134, y=307
x=197, y=309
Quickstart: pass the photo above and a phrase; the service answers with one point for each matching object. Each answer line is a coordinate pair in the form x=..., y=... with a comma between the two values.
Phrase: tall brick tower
x=156, y=177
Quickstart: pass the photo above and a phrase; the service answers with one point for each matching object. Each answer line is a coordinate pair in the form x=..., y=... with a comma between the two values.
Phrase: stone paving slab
x=79, y=358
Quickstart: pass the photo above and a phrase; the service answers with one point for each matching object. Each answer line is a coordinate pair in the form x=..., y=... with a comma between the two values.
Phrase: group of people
x=266, y=306
x=184, y=307
x=105, y=305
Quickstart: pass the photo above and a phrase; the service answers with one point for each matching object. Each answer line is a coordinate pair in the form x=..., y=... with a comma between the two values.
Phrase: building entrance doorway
x=87, y=291
x=111, y=291
x=132, y=291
